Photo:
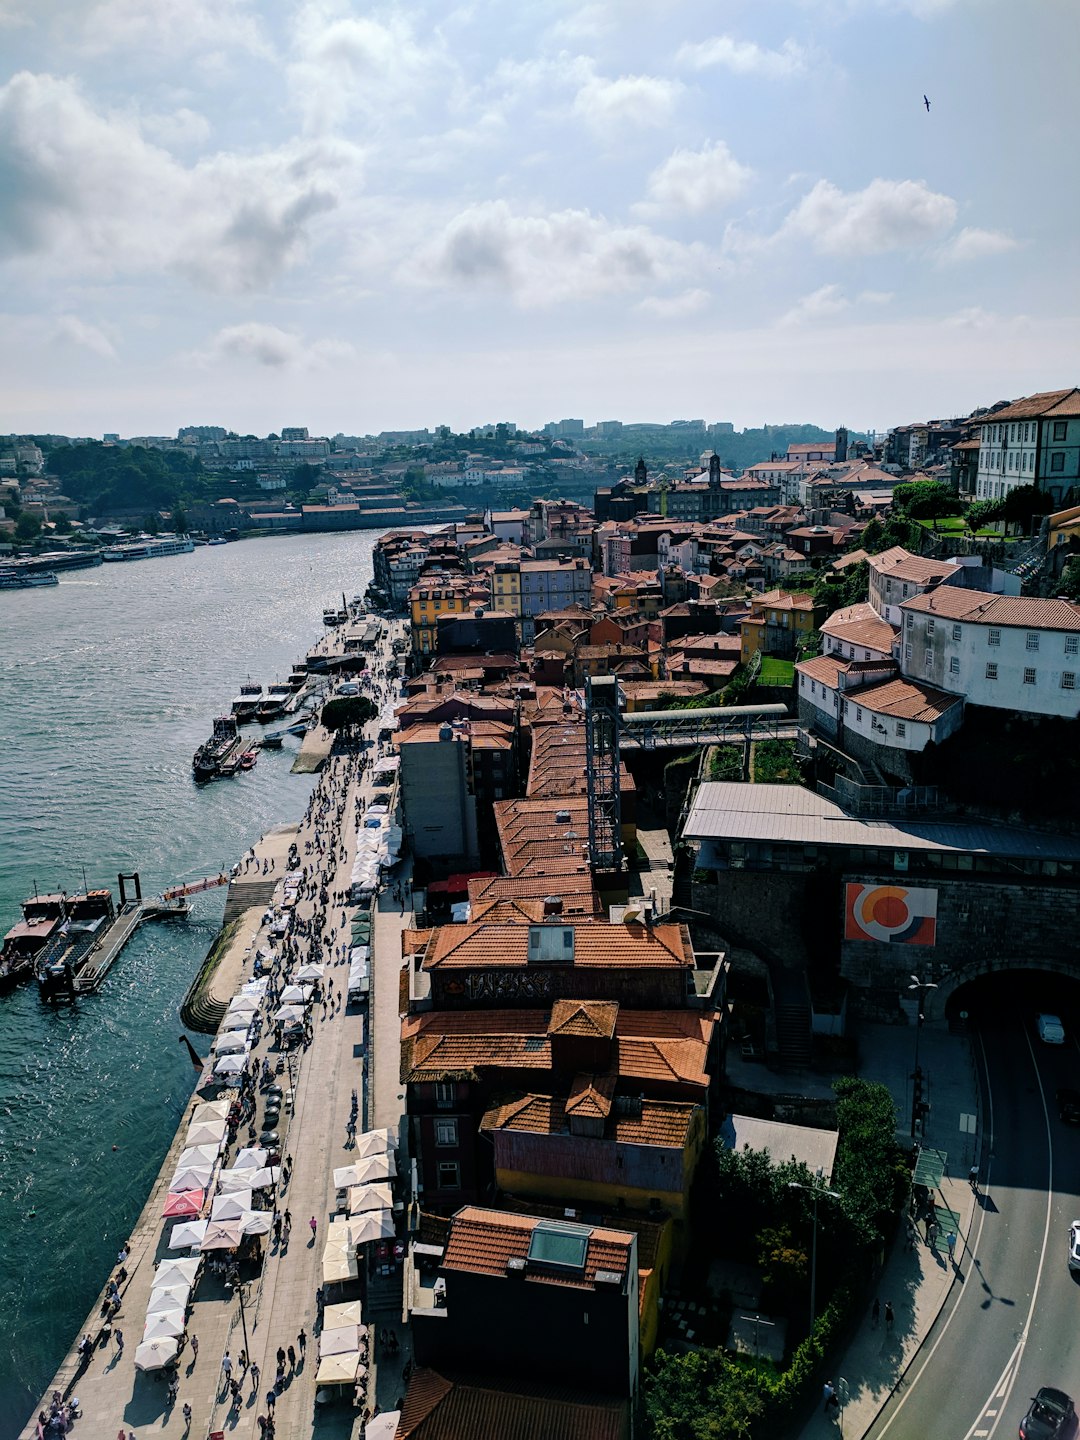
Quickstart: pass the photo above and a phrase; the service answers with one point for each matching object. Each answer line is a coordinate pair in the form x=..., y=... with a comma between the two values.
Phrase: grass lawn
x=776, y=672
x=957, y=525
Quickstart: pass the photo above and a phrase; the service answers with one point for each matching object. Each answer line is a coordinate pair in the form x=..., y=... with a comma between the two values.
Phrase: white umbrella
x=375, y=1142
x=362, y=1172
x=196, y=1156
x=338, y=1369
x=153, y=1354
x=230, y=1065
x=187, y=1234
x=338, y=1341
x=339, y=1263
x=239, y=1022
x=382, y=1427
x=222, y=1235
x=296, y=994
x=256, y=1222
x=229, y=1181
x=231, y=1207
x=193, y=1177
x=310, y=971
x=206, y=1132
x=169, y=1297
x=250, y=1159
x=176, y=1272
x=372, y=1225
x=289, y=1012
x=347, y=1313
x=164, y=1325
x=211, y=1110
x=370, y=1197
x=230, y=1042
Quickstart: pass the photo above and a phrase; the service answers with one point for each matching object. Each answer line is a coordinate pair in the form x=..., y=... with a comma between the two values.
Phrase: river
x=108, y=682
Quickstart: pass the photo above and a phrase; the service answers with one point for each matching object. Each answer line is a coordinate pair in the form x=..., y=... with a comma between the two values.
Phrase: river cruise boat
x=14, y=577
x=43, y=915
x=246, y=704
x=150, y=549
x=272, y=705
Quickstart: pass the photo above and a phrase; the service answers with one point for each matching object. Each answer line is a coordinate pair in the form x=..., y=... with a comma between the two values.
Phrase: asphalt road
x=1011, y=1325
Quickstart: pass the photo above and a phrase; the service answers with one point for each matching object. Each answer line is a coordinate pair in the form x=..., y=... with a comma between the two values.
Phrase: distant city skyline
x=609, y=208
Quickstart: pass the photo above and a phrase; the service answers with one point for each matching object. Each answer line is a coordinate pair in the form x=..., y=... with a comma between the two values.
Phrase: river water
x=108, y=682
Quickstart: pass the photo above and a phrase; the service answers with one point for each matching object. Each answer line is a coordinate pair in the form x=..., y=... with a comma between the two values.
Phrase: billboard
x=894, y=914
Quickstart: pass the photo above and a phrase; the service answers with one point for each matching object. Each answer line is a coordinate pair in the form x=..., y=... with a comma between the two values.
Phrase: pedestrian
x=271, y=1401
x=242, y=1361
x=973, y=1178
x=292, y=1358
x=254, y=1378
x=314, y=1226
x=951, y=1243
x=194, y=1350
x=889, y=1316
x=118, y=1336
x=288, y=1213
x=281, y=1357
x=875, y=1313
x=226, y=1366
x=831, y=1401
x=187, y=1413
x=301, y=1340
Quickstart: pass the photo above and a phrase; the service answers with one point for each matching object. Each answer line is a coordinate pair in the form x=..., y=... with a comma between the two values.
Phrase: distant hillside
x=736, y=451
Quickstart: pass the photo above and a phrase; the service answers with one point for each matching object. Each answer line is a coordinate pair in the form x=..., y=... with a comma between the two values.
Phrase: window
x=954, y=665
x=1032, y=640
x=906, y=587
x=911, y=622
x=929, y=628
x=956, y=632
x=991, y=671
x=1029, y=677
x=1068, y=680
x=929, y=658
x=449, y=1175
x=1060, y=429
x=907, y=652
x=858, y=712
x=446, y=1132
x=1072, y=644
x=993, y=637
x=1057, y=463
x=445, y=1094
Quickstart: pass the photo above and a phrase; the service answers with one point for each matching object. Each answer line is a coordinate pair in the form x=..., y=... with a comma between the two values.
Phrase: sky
x=258, y=213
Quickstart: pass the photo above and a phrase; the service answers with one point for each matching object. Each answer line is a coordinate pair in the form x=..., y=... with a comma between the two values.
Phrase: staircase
x=384, y=1296
x=791, y=1007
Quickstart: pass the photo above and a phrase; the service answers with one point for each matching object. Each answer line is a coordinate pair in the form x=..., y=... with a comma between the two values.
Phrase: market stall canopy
x=211, y=1110
x=375, y=1142
x=372, y=1225
x=257, y=1222
x=154, y=1354
x=186, y=1202
x=230, y=1065
x=257, y=987
x=339, y=1262
x=193, y=1177
x=370, y=1197
x=338, y=1341
x=176, y=1272
x=222, y=1235
x=338, y=1369
x=296, y=994
x=167, y=1324
x=348, y=1313
x=363, y=1172
x=230, y=1042
x=310, y=971
x=231, y=1207
x=168, y=1297
x=206, y=1132
x=187, y=1234
x=289, y=1012
x=232, y=1180
x=252, y=1158
x=250, y=1003
x=196, y=1156
x=240, y=1021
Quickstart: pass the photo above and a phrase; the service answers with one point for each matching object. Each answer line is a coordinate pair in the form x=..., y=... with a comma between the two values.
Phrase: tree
x=1069, y=584
x=983, y=512
x=152, y=524
x=834, y=589
x=62, y=525
x=348, y=710
x=179, y=521
x=27, y=528
x=924, y=499
x=1025, y=502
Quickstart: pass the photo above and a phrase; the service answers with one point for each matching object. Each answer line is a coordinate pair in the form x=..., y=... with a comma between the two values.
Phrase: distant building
x=1035, y=441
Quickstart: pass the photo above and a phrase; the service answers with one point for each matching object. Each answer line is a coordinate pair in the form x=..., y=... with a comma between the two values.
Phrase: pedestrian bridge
x=731, y=724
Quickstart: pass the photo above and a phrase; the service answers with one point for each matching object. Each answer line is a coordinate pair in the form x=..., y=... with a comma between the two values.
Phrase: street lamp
x=238, y=1287
x=815, y=1191
x=921, y=986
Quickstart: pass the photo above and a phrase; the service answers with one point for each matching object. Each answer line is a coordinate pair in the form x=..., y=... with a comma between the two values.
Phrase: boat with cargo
x=151, y=549
x=216, y=755
x=247, y=702
x=14, y=577
x=42, y=917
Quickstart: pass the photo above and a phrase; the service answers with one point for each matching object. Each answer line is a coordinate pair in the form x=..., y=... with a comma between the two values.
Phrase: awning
x=339, y=1369
x=376, y=1196
x=222, y=1235
x=154, y=1354
x=187, y=1234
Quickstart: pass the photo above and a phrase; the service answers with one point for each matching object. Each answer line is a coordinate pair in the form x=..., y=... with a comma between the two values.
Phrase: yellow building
x=506, y=587
x=777, y=620
x=1064, y=526
x=431, y=598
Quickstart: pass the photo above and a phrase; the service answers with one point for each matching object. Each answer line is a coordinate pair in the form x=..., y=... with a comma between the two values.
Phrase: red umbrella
x=186, y=1202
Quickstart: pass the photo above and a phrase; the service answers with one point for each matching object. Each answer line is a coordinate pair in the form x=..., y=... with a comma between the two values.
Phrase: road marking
x=967, y=1124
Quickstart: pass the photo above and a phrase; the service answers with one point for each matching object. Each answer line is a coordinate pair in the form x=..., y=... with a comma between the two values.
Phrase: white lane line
x=1018, y=1353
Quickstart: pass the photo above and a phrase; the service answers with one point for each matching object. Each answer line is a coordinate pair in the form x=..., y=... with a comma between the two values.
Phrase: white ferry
x=151, y=549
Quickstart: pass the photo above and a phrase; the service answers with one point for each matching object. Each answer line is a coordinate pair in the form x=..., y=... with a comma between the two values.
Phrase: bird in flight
x=926, y=102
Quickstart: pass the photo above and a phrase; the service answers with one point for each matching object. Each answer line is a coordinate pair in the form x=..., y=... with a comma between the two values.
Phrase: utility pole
x=815, y=1191
x=918, y=1110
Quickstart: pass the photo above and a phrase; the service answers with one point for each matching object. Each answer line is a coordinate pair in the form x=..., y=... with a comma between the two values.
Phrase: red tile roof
x=482, y=1241
x=591, y=1018
x=440, y=1408
x=978, y=607
x=590, y=1096
x=905, y=700
x=664, y=1124
x=1057, y=403
x=596, y=944
x=860, y=625
x=575, y=890
x=899, y=564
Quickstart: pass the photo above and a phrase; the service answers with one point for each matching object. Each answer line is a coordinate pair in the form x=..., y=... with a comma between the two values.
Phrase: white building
x=896, y=575
x=1035, y=441
x=845, y=698
x=857, y=632
x=1004, y=651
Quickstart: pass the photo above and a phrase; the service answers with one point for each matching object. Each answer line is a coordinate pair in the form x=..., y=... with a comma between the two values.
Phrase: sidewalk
x=916, y=1279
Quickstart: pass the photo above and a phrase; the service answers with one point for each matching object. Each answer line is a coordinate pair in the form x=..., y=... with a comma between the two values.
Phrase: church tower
x=641, y=474
x=841, y=442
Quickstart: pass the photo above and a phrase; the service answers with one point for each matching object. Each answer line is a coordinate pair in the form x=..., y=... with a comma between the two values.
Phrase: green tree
x=348, y=710
x=924, y=499
x=784, y=1266
x=302, y=479
x=27, y=528
x=179, y=521
x=836, y=588
x=1024, y=503
x=152, y=524
x=984, y=512
x=1069, y=584
x=62, y=525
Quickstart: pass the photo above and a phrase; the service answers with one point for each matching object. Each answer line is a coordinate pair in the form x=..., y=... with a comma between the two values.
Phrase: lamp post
x=239, y=1289
x=921, y=987
x=815, y=1191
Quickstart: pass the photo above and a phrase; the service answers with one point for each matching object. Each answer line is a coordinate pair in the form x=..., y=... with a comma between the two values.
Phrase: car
x=1051, y=1416
x=1074, y=1245
x=1068, y=1103
x=1051, y=1030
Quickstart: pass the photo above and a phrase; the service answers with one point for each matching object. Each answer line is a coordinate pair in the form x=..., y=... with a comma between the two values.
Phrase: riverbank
x=281, y=1297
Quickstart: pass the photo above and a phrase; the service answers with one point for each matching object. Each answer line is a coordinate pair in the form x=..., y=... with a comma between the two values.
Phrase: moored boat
x=43, y=915
x=273, y=703
x=246, y=704
x=222, y=751
x=15, y=577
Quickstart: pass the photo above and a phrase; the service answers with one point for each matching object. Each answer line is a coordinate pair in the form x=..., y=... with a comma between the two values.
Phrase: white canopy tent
x=193, y=1177
x=370, y=1197
x=198, y=1155
x=173, y=1272
x=230, y=1065
x=187, y=1234
x=296, y=995
x=231, y=1207
x=251, y=1158
x=231, y=1042
x=229, y=1181
x=154, y=1354
x=168, y=1297
x=308, y=971
x=289, y=1012
x=257, y=1222
x=206, y=1132
x=210, y=1110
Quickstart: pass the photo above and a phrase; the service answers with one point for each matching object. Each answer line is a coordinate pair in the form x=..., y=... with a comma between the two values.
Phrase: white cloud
x=698, y=180
x=674, y=307
x=88, y=190
x=886, y=215
x=643, y=101
x=182, y=127
x=167, y=28
x=70, y=330
x=821, y=304
x=743, y=57
x=270, y=346
x=875, y=297
x=974, y=244
x=544, y=259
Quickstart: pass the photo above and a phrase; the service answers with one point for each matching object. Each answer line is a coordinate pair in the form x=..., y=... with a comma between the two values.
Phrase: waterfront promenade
x=279, y=1302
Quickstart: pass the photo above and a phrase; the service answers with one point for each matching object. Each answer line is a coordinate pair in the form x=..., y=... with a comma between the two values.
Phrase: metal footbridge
x=734, y=724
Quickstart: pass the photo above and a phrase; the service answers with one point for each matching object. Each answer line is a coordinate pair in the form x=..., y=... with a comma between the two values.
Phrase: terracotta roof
x=1057, y=403
x=905, y=700
x=853, y=557
x=783, y=600
x=482, y=1241
x=979, y=607
x=900, y=564
x=596, y=943
x=590, y=1096
x=825, y=669
x=860, y=625
x=440, y=1408
x=575, y=890
x=661, y=1123
x=973, y=444
x=592, y=1018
